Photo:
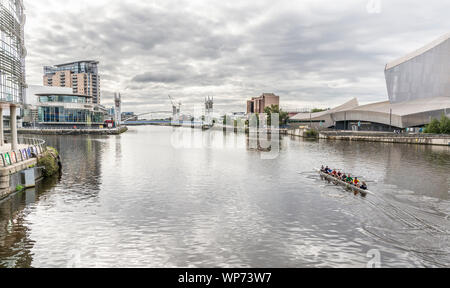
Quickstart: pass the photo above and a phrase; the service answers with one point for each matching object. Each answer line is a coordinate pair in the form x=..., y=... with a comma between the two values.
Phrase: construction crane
x=176, y=107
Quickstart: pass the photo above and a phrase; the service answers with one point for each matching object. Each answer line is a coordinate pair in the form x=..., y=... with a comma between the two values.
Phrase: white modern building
x=418, y=86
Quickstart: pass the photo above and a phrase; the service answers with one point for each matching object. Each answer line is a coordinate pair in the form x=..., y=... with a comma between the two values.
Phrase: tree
x=315, y=110
x=274, y=109
x=444, y=125
x=439, y=127
x=433, y=127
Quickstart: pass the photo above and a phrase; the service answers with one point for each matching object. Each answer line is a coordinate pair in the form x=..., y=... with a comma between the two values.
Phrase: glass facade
x=63, y=99
x=12, y=51
x=62, y=115
x=59, y=109
x=89, y=67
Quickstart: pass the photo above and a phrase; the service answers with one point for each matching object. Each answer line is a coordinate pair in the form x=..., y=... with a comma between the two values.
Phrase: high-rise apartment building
x=81, y=76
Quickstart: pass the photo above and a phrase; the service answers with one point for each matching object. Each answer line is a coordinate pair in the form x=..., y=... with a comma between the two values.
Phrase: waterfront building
x=130, y=116
x=65, y=110
x=12, y=63
x=418, y=87
x=422, y=74
x=258, y=104
x=81, y=76
x=31, y=101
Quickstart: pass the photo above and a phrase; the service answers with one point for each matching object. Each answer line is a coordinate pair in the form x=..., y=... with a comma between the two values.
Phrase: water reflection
x=163, y=197
x=15, y=242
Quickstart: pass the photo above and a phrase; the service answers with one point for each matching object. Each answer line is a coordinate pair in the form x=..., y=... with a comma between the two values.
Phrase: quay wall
x=115, y=131
x=420, y=139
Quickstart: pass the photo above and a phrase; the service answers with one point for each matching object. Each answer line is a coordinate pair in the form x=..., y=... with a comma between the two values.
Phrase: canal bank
x=63, y=131
x=216, y=202
x=22, y=168
x=419, y=139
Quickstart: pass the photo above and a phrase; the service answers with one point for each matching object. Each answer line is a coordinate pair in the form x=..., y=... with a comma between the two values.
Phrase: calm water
x=138, y=200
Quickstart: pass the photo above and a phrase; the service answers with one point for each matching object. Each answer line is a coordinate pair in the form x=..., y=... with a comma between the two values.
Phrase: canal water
x=165, y=197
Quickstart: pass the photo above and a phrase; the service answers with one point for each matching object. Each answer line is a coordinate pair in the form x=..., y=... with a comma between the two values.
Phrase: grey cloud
x=157, y=77
x=307, y=52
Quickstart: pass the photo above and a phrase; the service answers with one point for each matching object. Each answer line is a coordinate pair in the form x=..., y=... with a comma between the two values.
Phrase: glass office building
x=12, y=52
x=70, y=110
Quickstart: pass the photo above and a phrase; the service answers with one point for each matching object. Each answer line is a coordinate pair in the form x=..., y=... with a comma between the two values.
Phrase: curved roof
x=406, y=108
x=64, y=94
x=346, y=106
x=418, y=52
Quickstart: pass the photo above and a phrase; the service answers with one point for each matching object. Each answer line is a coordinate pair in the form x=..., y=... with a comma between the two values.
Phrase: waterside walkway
x=72, y=131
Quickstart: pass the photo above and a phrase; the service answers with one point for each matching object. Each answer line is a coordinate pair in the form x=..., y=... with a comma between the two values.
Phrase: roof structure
x=83, y=61
x=418, y=52
x=63, y=94
x=346, y=106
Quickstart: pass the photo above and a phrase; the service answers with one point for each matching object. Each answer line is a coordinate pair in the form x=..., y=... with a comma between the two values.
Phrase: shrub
x=444, y=125
x=49, y=163
x=19, y=188
x=311, y=133
x=53, y=150
x=439, y=127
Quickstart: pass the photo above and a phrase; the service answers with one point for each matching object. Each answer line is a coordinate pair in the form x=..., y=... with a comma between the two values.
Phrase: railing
x=67, y=127
x=34, y=148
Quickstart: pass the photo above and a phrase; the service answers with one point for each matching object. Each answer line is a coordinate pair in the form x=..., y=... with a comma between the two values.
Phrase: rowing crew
x=347, y=178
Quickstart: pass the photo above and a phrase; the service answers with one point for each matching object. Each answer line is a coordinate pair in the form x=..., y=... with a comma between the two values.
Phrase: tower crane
x=176, y=107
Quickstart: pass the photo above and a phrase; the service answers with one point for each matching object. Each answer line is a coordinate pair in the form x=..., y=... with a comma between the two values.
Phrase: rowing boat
x=344, y=184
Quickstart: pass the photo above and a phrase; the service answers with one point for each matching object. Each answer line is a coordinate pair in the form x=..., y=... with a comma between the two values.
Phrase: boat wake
x=423, y=235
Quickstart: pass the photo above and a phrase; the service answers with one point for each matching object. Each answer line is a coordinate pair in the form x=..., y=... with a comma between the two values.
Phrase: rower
x=356, y=182
x=364, y=186
x=349, y=179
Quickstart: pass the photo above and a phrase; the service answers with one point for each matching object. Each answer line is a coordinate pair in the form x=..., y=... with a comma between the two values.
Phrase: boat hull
x=344, y=184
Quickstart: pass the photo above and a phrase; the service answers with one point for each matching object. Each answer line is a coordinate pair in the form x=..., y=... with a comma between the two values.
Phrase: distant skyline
x=310, y=53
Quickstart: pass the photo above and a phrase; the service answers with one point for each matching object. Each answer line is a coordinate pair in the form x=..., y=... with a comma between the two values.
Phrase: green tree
x=433, y=127
x=315, y=110
x=275, y=109
x=444, y=125
x=439, y=127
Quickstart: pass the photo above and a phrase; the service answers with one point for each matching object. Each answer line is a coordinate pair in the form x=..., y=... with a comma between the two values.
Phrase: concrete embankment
x=115, y=131
x=420, y=139
x=25, y=171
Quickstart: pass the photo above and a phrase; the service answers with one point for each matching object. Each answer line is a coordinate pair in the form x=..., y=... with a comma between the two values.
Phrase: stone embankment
x=420, y=139
x=114, y=131
x=27, y=169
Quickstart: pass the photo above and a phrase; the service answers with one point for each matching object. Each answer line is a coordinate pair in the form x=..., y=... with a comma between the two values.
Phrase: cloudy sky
x=313, y=53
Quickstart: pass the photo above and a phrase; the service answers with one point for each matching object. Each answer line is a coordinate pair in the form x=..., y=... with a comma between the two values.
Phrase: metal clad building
x=424, y=73
x=418, y=86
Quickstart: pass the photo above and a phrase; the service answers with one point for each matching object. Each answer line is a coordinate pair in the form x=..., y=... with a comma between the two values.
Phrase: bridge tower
x=209, y=109
x=118, y=109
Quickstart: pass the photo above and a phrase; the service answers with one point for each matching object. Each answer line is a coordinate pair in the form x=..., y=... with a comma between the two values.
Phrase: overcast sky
x=312, y=53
